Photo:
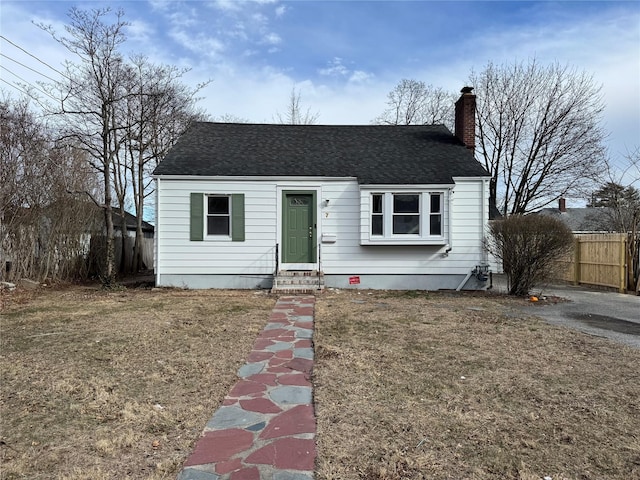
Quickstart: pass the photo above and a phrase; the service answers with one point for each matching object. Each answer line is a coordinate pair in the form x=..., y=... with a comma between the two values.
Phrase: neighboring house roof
x=374, y=154
x=131, y=222
x=585, y=219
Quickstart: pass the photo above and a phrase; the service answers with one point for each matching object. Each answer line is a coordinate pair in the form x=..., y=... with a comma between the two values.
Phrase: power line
x=28, y=84
x=33, y=56
x=27, y=67
x=20, y=89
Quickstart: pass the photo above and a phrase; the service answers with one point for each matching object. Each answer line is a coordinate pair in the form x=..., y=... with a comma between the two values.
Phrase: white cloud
x=280, y=10
x=139, y=31
x=334, y=68
x=183, y=18
x=160, y=5
x=200, y=44
x=271, y=39
x=359, y=76
x=227, y=5
x=259, y=19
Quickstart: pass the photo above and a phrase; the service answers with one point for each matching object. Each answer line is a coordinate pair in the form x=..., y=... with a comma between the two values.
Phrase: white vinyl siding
x=344, y=215
x=343, y=218
x=253, y=253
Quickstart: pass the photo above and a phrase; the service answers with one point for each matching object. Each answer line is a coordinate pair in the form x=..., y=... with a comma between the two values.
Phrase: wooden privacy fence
x=98, y=243
x=600, y=259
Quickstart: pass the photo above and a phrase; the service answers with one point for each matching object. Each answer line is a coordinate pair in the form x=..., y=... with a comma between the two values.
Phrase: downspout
x=484, y=217
x=449, y=216
x=156, y=236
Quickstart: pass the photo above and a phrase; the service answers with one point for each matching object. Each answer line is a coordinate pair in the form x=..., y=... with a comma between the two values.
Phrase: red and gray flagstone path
x=265, y=428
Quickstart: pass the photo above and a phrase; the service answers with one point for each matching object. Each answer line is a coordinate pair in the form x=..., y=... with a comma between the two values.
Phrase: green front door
x=298, y=228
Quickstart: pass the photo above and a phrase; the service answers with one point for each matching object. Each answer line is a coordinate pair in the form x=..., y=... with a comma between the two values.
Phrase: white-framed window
x=377, y=214
x=406, y=214
x=218, y=215
x=435, y=214
x=404, y=217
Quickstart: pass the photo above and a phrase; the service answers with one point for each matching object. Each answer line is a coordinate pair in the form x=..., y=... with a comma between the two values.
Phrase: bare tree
x=155, y=117
x=229, y=118
x=616, y=207
x=539, y=133
x=89, y=95
x=413, y=102
x=44, y=229
x=295, y=114
x=124, y=113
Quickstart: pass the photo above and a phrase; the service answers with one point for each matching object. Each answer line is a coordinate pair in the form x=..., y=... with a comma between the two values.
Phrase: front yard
x=407, y=385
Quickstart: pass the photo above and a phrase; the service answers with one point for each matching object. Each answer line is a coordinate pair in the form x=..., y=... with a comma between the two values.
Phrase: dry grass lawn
x=98, y=385
x=442, y=386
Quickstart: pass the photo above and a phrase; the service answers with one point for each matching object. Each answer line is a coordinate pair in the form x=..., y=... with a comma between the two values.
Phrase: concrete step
x=298, y=282
x=296, y=291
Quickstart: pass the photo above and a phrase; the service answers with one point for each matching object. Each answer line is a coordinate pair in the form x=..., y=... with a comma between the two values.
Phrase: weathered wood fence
x=125, y=265
x=601, y=259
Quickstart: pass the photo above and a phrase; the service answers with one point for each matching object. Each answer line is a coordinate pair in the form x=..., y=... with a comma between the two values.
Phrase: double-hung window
x=405, y=217
x=377, y=214
x=435, y=213
x=406, y=213
x=218, y=215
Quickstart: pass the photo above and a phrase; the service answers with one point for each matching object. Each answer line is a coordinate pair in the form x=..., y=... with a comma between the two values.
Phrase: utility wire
x=29, y=84
x=27, y=67
x=20, y=89
x=33, y=56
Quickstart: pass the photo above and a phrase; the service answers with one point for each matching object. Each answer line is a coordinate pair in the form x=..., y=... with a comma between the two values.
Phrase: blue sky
x=345, y=56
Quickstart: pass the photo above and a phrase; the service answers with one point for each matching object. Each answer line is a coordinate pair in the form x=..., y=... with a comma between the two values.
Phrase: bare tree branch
x=295, y=114
x=413, y=102
x=539, y=133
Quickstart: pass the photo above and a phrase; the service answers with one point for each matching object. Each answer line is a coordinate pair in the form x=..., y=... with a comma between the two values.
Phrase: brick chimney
x=466, y=118
x=562, y=205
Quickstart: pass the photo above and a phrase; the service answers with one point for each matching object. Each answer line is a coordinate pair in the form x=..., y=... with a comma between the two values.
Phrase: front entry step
x=298, y=282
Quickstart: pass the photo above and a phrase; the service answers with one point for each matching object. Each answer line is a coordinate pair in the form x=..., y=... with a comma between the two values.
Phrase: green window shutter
x=237, y=220
x=197, y=217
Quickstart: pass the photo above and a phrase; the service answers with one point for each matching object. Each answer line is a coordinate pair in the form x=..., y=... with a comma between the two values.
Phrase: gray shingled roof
x=580, y=219
x=374, y=154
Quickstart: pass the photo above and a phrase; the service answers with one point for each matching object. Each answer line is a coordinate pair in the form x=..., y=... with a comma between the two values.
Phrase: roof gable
x=374, y=154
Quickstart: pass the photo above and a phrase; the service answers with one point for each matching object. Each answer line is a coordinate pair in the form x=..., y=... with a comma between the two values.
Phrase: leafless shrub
x=529, y=247
x=44, y=229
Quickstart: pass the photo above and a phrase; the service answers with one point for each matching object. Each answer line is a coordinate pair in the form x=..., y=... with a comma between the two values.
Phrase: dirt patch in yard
x=439, y=386
x=98, y=385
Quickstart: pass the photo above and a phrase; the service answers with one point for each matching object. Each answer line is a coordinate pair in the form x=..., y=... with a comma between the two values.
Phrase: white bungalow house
x=381, y=207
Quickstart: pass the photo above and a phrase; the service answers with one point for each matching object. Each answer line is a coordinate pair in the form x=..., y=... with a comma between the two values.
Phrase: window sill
x=217, y=238
x=404, y=241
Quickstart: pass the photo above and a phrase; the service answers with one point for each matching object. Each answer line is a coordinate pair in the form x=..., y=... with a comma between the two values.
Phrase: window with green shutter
x=217, y=216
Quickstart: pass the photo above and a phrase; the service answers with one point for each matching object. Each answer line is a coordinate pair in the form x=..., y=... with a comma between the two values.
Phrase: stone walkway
x=265, y=429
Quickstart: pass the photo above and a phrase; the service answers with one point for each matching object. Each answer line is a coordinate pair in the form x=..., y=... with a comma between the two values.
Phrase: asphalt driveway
x=602, y=313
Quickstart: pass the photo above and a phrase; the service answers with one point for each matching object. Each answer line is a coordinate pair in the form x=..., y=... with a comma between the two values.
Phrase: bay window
x=404, y=217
